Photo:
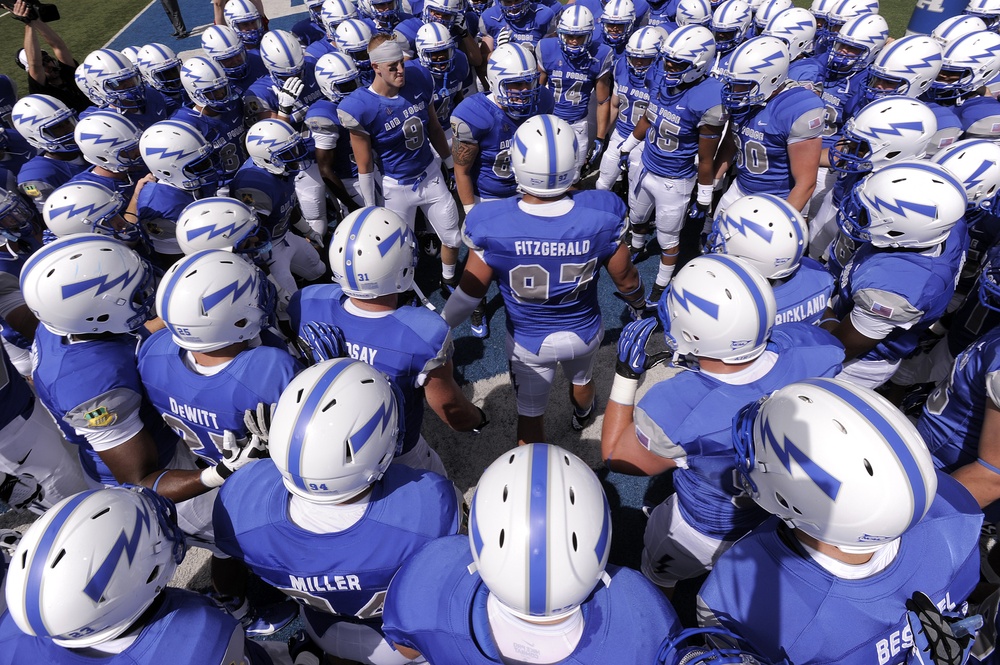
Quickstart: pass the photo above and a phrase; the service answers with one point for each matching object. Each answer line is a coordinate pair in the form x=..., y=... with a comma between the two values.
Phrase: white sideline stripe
x=126, y=26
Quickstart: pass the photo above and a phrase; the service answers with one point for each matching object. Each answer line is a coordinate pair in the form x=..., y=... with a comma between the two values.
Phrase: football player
x=680, y=133
x=775, y=132
x=839, y=527
x=47, y=125
x=908, y=219
x=771, y=236
x=243, y=67
x=373, y=256
x=393, y=119
x=516, y=21
x=329, y=519
x=718, y=314
x=161, y=70
x=110, y=142
x=113, y=82
x=546, y=249
x=532, y=577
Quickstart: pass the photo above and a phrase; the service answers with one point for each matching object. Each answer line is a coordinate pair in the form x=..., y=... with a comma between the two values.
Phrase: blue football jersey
x=663, y=14
x=805, y=294
x=124, y=187
x=16, y=398
x=548, y=267
x=911, y=289
x=808, y=72
x=438, y=607
x=182, y=627
x=596, y=8
x=980, y=117
x=319, y=48
x=201, y=408
x=448, y=85
x=949, y=127
x=159, y=207
x=770, y=592
x=17, y=152
x=837, y=92
x=91, y=386
x=342, y=574
x=395, y=126
x=689, y=416
x=255, y=70
x=226, y=132
x=527, y=30
x=262, y=95
x=572, y=80
x=405, y=344
x=41, y=175
x=477, y=119
x=308, y=32
x=675, y=122
x=272, y=196
x=154, y=110
x=952, y=419
x=633, y=96
x=763, y=135
x=328, y=134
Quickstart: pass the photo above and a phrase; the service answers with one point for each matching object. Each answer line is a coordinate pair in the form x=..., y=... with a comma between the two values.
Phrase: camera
x=37, y=10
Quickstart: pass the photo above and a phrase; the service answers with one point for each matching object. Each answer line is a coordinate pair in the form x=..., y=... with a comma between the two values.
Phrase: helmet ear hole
x=503, y=534
x=575, y=544
x=868, y=468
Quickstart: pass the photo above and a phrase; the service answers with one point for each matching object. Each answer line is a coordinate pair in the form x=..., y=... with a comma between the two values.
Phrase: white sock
x=447, y=270
x=664, y=274
x=638, y=240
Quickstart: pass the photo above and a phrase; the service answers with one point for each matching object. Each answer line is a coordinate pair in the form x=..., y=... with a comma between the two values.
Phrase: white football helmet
x=821, y=9
x=86, y=207
x=693, y=12
x=223, y=45
x=86, y=284
x=987, y=10
x=617, y=21
x=711, y=645
x=45, y=122
x=160, y=67
x=274, y=146
x=109, y=140
x=352, y=37
x=954, y=27
x=543, y=157
x=641, y=51
x=757, y=68
x=967, y=64
x=768, y=10
x=976, y=164
x=175, y=152
x=913, y=203
x=334, y=13
x=80, y=77
x=89, y=567
x=837, y=461
x=509, y=67
x=796, y=27
x=282, y=55
x=442, y=11
x=212, y=299
x=114, y=79
x=18, y=218
x=887, y=130
x=575, y=21
x=540, y=531
x=336, y=75
x=373, y=253
x=243, y=17
x=856, y=45
x=844, y=10
x=765, y=231
x=729, y=24
x=132, y=53
x=435, y=47
x=207, y=84
x=687, y=55
x=720, y=307
x=905, y=67
x=220, y=222
x=335, y=431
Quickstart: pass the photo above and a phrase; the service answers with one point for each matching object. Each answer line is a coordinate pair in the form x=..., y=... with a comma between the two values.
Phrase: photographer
x=47, y=75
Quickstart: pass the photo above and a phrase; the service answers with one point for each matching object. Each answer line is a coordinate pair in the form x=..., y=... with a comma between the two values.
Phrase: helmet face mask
x=575, y=31
x=515, y=9
x=336, y=75
x=276, y=147
x=687, y=55
x=617, y=22
x=46, y=123
x=223, y=45
x=160, y=68
x=18, y=219
x=757, y=69
x=513, y=76
x=243, y=17
x=642, y=50
x=435, y=48
x=856, y=45
x=444, y=12
x=883, y=132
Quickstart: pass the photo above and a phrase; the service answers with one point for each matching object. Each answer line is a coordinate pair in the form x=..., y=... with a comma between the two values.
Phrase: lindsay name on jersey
x=362, y=353
x=804, y=311
x=321, y=583
x=194, y=415
x=410, y=110
x=544, y=248
x=902, y=639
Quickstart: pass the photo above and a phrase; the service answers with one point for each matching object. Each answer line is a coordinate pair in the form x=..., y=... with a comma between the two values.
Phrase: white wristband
x=366, y=183
x=211, y=478
x=705, y=193
x=629, y=143
x=623, y=390
x=468, y=207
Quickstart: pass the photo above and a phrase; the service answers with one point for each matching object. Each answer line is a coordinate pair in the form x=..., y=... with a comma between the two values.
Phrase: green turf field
x=85, y=25
x=89, y=24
